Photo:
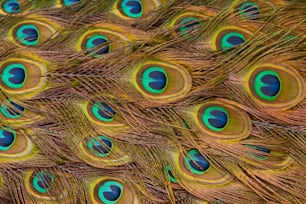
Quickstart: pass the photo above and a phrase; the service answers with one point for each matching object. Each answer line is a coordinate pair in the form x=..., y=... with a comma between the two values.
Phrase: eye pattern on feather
x=100, y=146
x=42, y=181
x=110, y=190
x=21, y=76
x=223, y=121
x=102, y=112
x=169, y=174
x=196, y=162
x=134, y=9
x=7, y=138
x=15, y=146
x=249, y=10
x=11, y=6
x=275, y=86
x=160, y=81
x=32, y=32
x=187, y=25
x=259, y=148
x=96, y=41
x=13, y=110
x=70, y=2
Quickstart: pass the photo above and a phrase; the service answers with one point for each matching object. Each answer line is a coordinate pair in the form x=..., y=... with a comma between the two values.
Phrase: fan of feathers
x=152, y=101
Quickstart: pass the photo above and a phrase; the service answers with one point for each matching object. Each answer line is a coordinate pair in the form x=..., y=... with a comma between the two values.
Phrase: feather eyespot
x=14, y=75
x=169, y=174
x=27, y=34
x=42, y=181
x=20, y=76
x=267, y=85
x=154, y=80
x=100, y=146
x=103, y=112
x=215, y=118
x=32, y=32
x=188, y=25
x=68, y=3
x=7, y=138
x=131, y=8
x=13, y=111
x=97, y=45
x=161, y=82
x=249, y=10
x=275, y=86
x=257, y=155
x=103, y=39
x=229, y=37
x=220, y=119
x=109, y=191
x=11, y=6
x=134, y=9
x=196, y=163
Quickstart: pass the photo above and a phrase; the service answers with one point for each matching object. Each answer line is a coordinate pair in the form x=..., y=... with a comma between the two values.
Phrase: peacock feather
x=152, y=101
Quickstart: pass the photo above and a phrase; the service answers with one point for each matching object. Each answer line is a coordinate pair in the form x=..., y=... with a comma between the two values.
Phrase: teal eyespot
x=11, y=6
x=109, y=191
x=7, y=138
x=14, y=112
x=154, y=80
x=259, y=148
x=131, y=8
x=71, y=2
x=187, y=25
x=28, y=34
x=169, y=174
x=267, y=85
x=249, y=10
x=42, y=181
x=14, y=75
x=231, y=39
x=215, y=118
x=100, y=146
x=97, y=45
x=103, y=112
x=196, y=163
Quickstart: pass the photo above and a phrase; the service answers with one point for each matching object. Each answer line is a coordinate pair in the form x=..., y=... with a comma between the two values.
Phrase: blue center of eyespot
x=43, y=181
x=267, y=85
x=71, y=2
x=215, y=118
x=97, y=45
x=11, y=112
x=110, y=192
x=231, y=39
x=100, y=146
x=11, y=6
x=7, y=138
x=249, y=10
x=103, y=112
x=196, y=162
x=132, y=8
x=154, y=80
x=14, y=75
x=28, y=34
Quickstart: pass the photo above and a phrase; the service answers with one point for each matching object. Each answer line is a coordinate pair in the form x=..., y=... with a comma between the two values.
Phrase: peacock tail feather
x=152, y=101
